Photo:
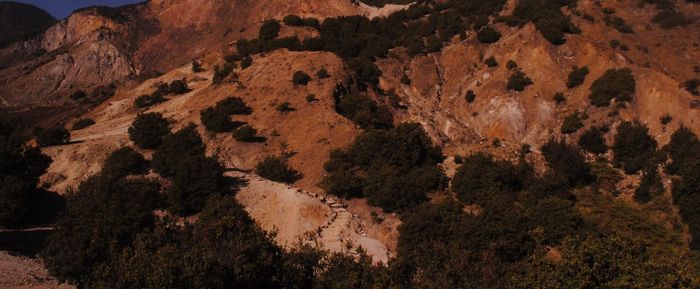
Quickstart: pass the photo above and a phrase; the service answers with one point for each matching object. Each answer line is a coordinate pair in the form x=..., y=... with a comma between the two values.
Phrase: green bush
x=148, y=100
x=364, y=112
x=195, y=178
x=218, y=117
x=322, y=73
x=618, y=23
x=650, y=186
x=518, y=81
x=148, y=130
x=692, y=86
x=559, y=98
x=471, y=96
x=123, y=162
x=269, y=30
x=246, y=62
x=481, y=180
x=176, y=147
x=221, y=73
x=511, y=65
x=277, y=169
x=233, y=106
x=301, y=78
x=83, y=123
x=615, y=84
x=394, y=169
x=179, y=87
x=197, y=66
x=491, y=62
x=567, y=163
x=572, y=123
x=405, y=79
x=592, y=140
x=292, y=20
x=577, y=76
x=285, y=107
x=558, y=218
x=634, y=148
x=20, y=169
x=55, y=135
x=670, y=18
x=246, y=133
x=547, y=17
x=488, y=35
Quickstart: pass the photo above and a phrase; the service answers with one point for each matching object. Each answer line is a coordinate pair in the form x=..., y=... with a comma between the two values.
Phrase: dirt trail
x=299, y=215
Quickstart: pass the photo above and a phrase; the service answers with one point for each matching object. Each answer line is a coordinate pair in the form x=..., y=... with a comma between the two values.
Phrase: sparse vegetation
x=284, y=107
x=221, y=73
x=665, y=119
x=617, y=84
x=148, y=130
x=246, y=62
x=692, y=86
x=322, y=74
x=179, y=87
x=559, y=98
x=246, y=133
x=148, y=100
x=471, y=96
x=218, y=117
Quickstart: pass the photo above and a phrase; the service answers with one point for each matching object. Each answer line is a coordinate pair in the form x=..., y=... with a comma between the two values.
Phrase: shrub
x=55, y=135
x=614, y=43
x=364, y=112
x=103, y=217
x=670, y=18
x=233, y=106
x=405, y=79
x=491, y=62
x=471, y=96
x=246, y=133
x=692, y=86
x=148, y=130
x=577, y=76
x=197, y=66
x=292, y=20
x=285, y=107
x=216, y=120
x=481, y=179
x=221, y=73
x=246, y=62
x=683, y=149
x=650, y=186
x=511, y=64
x=572, y=123
x=269, y=30
x=558, y=218
x=83, y=123
x=277, y=169
x=393, y=169
x=488, y=35
x=148, y=100
x=196, y=178
x=615, y=84
x=123, y=162
x=618, y=23
x=311, y=98
x=518, y=81
x=567, y=163
x=367, y=72
x=559, y=98
x=634, y=148
x=322, y=73
x=301, y=78
x=665, y=119
x=179, y=87
x=592, y=140
x=20, y=169
x=175, y=148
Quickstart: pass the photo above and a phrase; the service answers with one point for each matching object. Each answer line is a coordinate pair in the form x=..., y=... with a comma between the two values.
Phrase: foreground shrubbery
x=55, y=135
x=364, y=112
x=634, y=148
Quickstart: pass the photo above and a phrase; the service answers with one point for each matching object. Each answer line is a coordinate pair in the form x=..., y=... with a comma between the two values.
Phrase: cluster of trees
x=218, y=117
x=577, y=76
x=572, y=123
x=20, y=169
x=177, y=86
x=394, y=169
x=547, y=17
x=518, y=81
x=668, y=16
x=683, y=149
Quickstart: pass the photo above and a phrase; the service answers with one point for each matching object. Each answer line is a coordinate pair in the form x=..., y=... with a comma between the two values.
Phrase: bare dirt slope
x=25, y=273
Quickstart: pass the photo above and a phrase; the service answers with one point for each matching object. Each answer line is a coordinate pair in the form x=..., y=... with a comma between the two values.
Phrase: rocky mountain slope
x=115, y=56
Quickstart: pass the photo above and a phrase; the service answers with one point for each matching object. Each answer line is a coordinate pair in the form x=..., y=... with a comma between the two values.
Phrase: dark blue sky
x=62, y=8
